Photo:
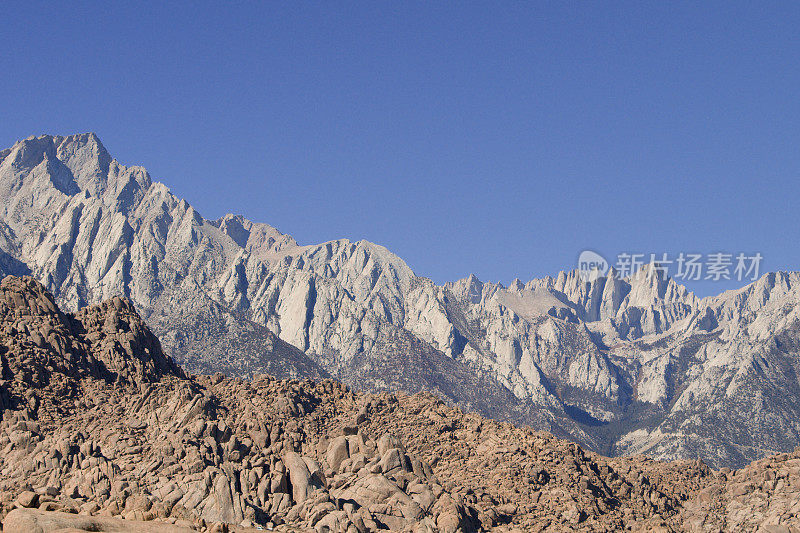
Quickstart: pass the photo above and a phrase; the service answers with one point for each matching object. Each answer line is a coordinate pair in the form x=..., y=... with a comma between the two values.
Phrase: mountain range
x=101, y=431
x=623, y=366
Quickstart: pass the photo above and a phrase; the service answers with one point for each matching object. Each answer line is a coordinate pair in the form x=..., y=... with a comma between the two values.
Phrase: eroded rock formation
x=100, y=431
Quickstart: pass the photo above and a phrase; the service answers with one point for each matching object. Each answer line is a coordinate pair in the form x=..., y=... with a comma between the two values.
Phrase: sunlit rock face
x=634, y=365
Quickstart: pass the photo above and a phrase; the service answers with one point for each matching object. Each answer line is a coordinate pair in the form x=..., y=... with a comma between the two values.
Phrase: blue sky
x=496, y=138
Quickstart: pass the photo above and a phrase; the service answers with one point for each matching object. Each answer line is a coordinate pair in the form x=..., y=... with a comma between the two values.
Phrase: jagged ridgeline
x=622, y=366
x=101, y=431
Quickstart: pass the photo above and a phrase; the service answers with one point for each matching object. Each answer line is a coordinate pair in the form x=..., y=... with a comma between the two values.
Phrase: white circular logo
x=592, y=265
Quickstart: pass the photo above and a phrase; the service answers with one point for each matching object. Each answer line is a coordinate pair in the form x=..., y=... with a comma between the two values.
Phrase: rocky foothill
x=623, y=364
x=101, y=431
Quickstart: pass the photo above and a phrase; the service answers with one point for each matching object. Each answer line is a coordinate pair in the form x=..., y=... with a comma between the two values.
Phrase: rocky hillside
x=635, y=365
x=101, y=431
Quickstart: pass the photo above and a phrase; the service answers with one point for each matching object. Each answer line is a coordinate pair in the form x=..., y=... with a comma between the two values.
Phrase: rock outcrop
x=109, y=435
x=22, y=520
x=43, y=346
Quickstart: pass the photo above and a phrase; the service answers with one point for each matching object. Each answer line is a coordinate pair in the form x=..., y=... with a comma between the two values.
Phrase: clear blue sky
x=496, y=138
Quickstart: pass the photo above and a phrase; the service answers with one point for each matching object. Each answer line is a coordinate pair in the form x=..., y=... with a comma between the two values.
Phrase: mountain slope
x=621, y=365
x=95, y=228
x=101, y=431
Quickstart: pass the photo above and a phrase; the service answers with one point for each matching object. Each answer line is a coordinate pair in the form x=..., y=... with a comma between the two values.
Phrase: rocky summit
x=637, y=365
x=101, y=431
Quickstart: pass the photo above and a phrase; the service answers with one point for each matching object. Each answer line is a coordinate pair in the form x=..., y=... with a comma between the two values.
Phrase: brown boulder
x=35, y=521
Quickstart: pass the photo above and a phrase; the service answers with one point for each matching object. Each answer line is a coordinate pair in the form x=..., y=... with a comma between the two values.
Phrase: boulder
x=36, y=521
x=300, y=478
x=338, y=451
